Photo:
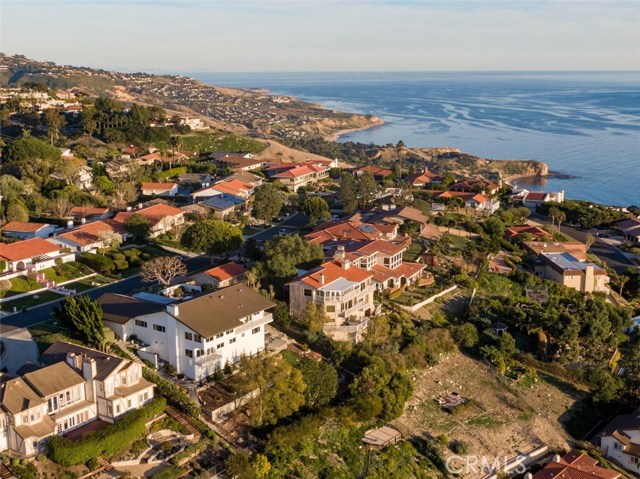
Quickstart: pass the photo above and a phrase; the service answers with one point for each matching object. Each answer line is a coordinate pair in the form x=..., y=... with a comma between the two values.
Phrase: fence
x=430, y=299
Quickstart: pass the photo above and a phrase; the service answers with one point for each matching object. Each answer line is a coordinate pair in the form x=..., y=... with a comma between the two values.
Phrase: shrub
x=131, y=252
x=108, y=441
x=460, y=448
x=92, y=464
x=117, y=256
x=189, y=452
x=120, y=265
x=146, y=256
x=27, y=472
x=173, y=393
x=171, y=472
x=24, y=284
x=97, y=262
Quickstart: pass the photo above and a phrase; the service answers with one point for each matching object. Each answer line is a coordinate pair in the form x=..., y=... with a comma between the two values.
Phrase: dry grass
x=503, y=419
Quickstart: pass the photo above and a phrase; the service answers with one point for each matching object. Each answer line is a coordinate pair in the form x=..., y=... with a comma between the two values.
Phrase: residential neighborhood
x=200, y=298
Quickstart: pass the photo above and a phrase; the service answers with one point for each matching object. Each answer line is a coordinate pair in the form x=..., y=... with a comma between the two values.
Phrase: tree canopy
x=315, y=208
x=267, y=202
x=213, y=237
x=84, y=315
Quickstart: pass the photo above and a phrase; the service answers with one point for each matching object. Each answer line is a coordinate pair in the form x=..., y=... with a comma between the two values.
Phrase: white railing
x=347, y=328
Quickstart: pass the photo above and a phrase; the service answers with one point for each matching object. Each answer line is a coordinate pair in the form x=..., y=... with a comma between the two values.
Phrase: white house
x=90, y=237
x=197, y=336
x=620, y=441
x=159, y=189
x=162, y=218
x=33, y=254
x=25, y=230
x=75, y=386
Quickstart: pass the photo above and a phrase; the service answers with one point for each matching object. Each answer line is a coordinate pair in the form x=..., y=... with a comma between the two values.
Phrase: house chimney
x=346, y=264
x=322, y=278
x=74, y=361
x=556, y=458
x=83, y=221
x=173, y=310
x=340, y=253
x=89, y=368
x=139, y=206
x=426, y=169
x=128, y=208
x=70, y=224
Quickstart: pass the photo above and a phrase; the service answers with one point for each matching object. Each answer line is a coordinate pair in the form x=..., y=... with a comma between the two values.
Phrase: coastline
x=335, y=136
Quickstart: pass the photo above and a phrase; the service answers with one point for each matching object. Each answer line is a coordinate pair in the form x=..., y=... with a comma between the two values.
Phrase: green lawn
x=30, y=301
x=291, y=357
x=412, y=253
x=416, y=295
x=458, y=242
x=88, y=283
x=499, y=285
x=47, y=333
x=209, y=142
x=67, y=272
x=18, y=285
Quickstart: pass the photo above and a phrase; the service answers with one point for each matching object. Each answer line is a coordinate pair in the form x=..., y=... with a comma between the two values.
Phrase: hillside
x=252, y=112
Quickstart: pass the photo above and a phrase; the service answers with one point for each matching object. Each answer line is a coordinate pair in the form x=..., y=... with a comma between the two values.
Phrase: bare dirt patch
x=502, y=420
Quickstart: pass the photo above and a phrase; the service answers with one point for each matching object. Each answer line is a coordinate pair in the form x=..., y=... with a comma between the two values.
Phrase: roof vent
x=222, y=296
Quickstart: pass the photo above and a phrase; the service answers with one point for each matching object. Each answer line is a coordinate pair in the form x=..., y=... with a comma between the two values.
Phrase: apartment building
x=76, y=386
x=196, y=335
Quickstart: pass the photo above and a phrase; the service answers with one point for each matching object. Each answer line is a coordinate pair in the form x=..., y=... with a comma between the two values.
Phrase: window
x=188, y=353
x=229, y=332
x=109, y=410
x=197, y=338
x=199, y=352
x=232, y=340
x=307, y=292
x=362, y=286
x=35, y=444
x=330, y=309
x=188, y=336
x=219, y=335
x=219, y=346
x=25, y=419
x=157, y=327
x=255, y=330
x=118, y=409
x=128, y=403
x=142, y=324
x=618, y=446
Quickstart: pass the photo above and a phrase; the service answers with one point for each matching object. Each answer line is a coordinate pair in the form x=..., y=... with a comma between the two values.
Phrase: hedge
x=172, y=172
x=97, y=262
x=117, y=256
x=108, y=441
x=131, y=253
x=120, y=265
x=171, y=472
x=175, y=396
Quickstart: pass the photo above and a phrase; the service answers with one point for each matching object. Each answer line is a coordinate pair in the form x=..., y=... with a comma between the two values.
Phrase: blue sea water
x=582, y=124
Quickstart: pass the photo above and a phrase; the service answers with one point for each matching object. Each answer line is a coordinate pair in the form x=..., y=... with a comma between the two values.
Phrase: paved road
x=42, y=313
x=606, y=252
x=291, y=225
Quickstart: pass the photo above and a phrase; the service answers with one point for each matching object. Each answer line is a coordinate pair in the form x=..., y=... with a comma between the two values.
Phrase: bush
x=131, y=252
x=175, y=396
x=27, y=472
x=460, y=448
x=189, y=452
x=117, y=256
x=120, y=265
x=171, y=472
x=92, y=464
x=97, y=262
x=24, y=284
x=109, y=441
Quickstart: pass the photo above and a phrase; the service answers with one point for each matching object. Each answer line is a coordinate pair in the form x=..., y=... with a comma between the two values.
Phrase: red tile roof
x=381, y=246
x=534, y=231
x=233, y=187
x=533, y=196
x=301, y=170
x=332, y=271
x=90, y=233
x=575, y=466
x=26, y=249
x=226, y=271
x=23, y=226
x=374, y=170
x=157, y=186
x=88, y=211
x=406, y=270
x=346, y=230
x=154, y=214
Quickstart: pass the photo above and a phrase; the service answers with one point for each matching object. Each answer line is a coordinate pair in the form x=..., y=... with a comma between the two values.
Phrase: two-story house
x=620, y=441
x=295, y=176
x=197, y=336
x=342, y=291
x=77, y=386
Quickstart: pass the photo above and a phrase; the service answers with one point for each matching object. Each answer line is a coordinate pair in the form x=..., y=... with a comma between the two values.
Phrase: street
x=42, y=313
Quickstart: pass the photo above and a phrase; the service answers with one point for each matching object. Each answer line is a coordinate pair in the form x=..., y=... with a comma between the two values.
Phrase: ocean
x=584, y=125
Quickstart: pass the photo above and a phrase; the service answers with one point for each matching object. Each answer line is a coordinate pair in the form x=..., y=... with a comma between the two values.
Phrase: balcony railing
x=355, y=327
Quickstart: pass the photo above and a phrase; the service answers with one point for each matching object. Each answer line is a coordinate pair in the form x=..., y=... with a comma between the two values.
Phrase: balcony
x=207, y=359
x=353, y=309
x=355, y=327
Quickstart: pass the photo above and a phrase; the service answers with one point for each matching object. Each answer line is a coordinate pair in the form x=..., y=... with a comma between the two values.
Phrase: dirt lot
x=502, y=420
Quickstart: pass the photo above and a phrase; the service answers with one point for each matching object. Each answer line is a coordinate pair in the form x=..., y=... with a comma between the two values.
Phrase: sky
x=327, y=35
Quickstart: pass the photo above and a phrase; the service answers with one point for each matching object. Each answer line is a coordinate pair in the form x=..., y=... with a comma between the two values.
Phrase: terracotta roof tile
x=226, y=271
x=27, y=249
x=23, y=226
